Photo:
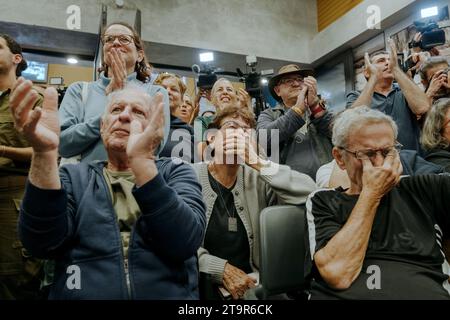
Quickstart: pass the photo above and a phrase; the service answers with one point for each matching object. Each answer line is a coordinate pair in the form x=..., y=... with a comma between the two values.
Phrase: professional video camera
x=253, y=82
x=206, y=76
x=252, y=79
x=432, y=35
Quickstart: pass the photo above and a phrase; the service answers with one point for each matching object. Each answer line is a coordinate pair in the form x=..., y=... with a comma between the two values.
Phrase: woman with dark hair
x=436, y=134
x=124, y=62
x=142, y=68
x=19, y=272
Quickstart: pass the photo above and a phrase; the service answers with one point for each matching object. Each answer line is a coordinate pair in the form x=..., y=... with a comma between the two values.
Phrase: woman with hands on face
x=237, y=184
x=123, y=62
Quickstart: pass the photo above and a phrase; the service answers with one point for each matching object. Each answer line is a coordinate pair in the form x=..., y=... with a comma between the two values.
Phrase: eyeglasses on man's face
x=291, y=81
x=368, y=154
x=124, y=39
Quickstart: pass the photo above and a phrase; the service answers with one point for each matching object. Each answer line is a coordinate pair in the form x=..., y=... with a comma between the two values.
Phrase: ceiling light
x=206, y=57
x=72, y=60
x=429, y=12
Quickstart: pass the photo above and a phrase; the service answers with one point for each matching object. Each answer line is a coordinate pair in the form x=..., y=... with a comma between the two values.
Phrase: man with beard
x=434, y=74
x=405, y=103
x=18, y=271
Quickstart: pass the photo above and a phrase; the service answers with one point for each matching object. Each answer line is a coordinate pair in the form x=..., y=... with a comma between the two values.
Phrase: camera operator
x=418, y=56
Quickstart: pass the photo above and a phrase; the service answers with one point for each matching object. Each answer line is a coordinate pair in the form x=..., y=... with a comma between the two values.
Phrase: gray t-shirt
x=396, y=106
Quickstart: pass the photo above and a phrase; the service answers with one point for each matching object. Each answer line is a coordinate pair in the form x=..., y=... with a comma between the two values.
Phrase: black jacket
x=440, y=157
x=180, y=143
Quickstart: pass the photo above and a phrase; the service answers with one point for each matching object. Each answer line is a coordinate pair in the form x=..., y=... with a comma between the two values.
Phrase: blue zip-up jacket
x=77, y=227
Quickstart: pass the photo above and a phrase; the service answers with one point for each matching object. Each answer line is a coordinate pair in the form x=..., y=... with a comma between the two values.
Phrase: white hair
x=351, y=119
x=113, y=95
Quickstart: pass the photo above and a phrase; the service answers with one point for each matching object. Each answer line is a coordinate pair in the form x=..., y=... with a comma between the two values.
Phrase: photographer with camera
x=429, y=35
x=404, y=103
x=420, y=53
x=303, y=124
x=434, y=73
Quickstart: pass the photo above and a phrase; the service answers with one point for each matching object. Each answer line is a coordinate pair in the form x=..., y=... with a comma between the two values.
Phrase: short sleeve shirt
x=405, y=244
x=396, y=106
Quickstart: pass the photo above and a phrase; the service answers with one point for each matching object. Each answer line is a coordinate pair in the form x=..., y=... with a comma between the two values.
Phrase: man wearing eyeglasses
x=382, y=237
x=300, y=119
x=405, y=103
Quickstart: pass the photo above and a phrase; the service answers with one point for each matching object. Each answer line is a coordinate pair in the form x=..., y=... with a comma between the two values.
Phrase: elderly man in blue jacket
x=127, y=228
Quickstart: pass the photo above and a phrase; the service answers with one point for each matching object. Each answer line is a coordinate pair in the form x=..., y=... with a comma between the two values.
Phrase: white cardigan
x=252, y=193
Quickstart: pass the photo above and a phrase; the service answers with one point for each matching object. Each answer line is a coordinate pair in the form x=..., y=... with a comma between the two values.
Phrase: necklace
x=232, y=220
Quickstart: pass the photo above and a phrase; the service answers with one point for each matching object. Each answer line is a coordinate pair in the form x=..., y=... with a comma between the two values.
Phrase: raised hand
x=438, y=81
x=312, y=98
x=300, y=105
x=393, y=59
x=117, y=71
x=417, y=38
x=374, y=72
x=378, y=181
x=143, y=142
x=41, y=125
x=236, y=281
x=251, y=156
x=244, y=99
x=233, y=146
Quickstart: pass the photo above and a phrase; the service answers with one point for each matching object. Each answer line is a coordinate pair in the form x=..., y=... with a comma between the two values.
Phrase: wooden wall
x=329, y=11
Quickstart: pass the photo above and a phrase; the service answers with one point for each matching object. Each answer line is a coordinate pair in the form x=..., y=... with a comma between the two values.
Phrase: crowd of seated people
x=128, y=191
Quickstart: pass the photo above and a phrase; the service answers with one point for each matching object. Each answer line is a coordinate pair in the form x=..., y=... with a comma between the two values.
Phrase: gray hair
x=430, y=63
x=113, y=96
x=431, y=133
x=349, y=120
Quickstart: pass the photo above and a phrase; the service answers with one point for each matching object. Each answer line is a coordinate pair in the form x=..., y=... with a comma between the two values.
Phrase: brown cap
x=284, y=71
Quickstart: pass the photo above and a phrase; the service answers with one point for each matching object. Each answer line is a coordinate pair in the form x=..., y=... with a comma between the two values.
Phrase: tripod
x=260, y=103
